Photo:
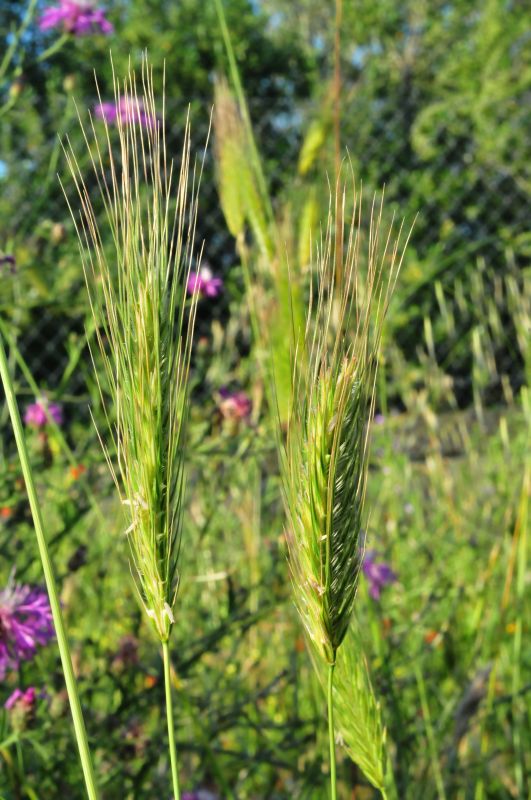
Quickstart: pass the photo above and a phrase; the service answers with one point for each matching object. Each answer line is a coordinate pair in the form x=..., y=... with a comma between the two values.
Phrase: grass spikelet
x=325, y=458
x=137, y=292
x=238, y=185
x=138, y=297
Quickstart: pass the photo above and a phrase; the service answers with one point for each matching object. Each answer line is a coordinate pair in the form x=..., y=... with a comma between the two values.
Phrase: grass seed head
x=238, y=185
x=332, y=400
x=137, y=257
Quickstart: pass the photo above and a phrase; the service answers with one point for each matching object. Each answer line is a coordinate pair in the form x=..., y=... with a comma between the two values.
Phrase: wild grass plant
x=326, y=455
x=321, y=382
x=138, y=298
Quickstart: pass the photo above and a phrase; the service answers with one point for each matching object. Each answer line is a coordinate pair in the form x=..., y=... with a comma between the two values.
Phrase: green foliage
x=432, y=106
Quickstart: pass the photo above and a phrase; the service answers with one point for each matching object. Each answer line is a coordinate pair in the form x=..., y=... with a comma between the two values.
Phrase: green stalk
x=331, y=736
x=169, y=717
x=430, y=735
x=519, y=764
x=62, y=641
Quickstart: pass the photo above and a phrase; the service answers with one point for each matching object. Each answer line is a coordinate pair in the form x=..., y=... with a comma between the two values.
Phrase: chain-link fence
x=471, y=205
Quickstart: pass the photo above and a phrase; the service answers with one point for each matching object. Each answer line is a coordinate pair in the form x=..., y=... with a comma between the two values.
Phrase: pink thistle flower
x=25, y=700
x=234, y=405
x=25, y=624
x=78, y=17
x=126, y=110
x=38, y=414
x=378, y=574
x=204, y=283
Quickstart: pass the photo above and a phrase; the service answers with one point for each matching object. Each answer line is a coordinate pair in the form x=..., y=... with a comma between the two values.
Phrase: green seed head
x=325, y=456
x=137, y=258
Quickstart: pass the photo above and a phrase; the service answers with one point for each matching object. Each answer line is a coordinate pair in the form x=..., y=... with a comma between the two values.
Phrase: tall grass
x=325, y=455
x=137, y=292
x=320, y=379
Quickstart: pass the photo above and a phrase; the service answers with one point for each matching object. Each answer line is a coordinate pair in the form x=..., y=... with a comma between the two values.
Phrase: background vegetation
x=435, y=105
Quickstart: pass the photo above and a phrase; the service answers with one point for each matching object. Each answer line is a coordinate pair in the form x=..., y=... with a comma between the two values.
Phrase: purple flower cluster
x=25, y=699
x=78, y=17
x=25, y=624
x=125, y=110
x=204, y=282
x=378, y=574
x=38, y=414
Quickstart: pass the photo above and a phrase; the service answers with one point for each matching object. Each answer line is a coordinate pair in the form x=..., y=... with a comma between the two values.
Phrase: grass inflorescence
x=325, y=456
x=145, y=324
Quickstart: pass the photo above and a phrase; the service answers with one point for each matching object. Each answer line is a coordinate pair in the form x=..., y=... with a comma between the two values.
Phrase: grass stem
x=430, y=735
x=331, y=735
x=169, y=717
x=62, y=641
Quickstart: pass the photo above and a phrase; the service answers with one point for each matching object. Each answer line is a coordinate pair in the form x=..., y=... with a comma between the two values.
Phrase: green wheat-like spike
x=231, y=157
x=237, y=182
x=324, y=458
x=346, y=481
x=327, y=490
x=137, y=292
x=144, y=328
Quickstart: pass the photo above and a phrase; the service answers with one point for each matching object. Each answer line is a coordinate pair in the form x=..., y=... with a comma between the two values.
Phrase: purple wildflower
x=200, y=794
x=125, y=110
x=25, y=623
x=38, y=414
x=378, y=574
x=79, y=17
x=204, y=283
x=379, y=419
x=25, y=699
x=10, y=262
x=107, y=111
x=234, y=405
